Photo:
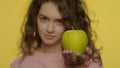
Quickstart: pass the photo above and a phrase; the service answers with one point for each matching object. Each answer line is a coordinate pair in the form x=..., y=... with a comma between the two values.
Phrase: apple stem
x=72, y=27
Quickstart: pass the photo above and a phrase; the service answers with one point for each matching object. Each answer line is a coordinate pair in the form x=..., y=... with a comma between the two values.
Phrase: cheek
x=40, y=28
x=61, y=31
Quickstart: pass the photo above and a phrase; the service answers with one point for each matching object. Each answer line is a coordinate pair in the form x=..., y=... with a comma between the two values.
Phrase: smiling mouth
x=50, y=36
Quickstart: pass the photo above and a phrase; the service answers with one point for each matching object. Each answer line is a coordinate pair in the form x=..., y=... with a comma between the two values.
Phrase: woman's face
x=50, y=25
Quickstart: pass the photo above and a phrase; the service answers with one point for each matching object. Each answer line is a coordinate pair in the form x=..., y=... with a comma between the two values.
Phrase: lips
x=49, y=36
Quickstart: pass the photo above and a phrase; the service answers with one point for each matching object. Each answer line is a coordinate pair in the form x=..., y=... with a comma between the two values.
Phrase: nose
x=50, y=28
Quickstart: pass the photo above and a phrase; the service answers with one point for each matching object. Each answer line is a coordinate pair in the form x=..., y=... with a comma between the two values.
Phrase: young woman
x=41, y=45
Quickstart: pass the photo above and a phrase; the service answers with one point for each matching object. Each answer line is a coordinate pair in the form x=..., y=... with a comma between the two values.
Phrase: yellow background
x=105, y=12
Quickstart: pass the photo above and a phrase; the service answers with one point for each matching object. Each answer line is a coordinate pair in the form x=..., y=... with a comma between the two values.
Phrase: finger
x=81, y=58
x=72, y=60
x=73, y=57
x=66, y=55
x=89, y=51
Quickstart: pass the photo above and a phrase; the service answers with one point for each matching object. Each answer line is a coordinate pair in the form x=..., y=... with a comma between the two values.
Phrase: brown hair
x=74, y=12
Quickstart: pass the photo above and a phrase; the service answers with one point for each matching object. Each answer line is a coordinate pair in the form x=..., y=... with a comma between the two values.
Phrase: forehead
x=50, y=9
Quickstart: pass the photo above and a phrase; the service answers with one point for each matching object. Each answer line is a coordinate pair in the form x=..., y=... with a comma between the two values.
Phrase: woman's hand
x=72, y=59
x=75, y=60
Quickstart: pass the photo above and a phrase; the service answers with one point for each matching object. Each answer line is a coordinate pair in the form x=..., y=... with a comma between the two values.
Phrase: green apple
x=75, y=40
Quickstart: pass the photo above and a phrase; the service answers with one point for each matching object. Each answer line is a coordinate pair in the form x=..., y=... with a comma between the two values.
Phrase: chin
x=51, y=43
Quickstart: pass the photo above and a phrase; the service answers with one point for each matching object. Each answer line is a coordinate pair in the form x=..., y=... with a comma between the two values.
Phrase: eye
x=59, y=22
x=43, y=19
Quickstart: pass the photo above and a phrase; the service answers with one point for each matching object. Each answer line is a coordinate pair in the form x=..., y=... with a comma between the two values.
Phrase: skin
x=50, y=29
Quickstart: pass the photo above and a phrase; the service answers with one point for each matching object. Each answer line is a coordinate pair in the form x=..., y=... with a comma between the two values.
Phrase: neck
x=50, y=48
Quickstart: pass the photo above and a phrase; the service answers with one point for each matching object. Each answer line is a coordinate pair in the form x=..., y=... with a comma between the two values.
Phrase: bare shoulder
x=16, y=63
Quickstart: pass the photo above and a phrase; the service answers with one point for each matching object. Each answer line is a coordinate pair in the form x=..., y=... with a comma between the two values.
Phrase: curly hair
x=74, y=13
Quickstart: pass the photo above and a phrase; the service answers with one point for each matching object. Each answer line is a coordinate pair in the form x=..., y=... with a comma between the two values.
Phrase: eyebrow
x=58, y=19
x=43, y=15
